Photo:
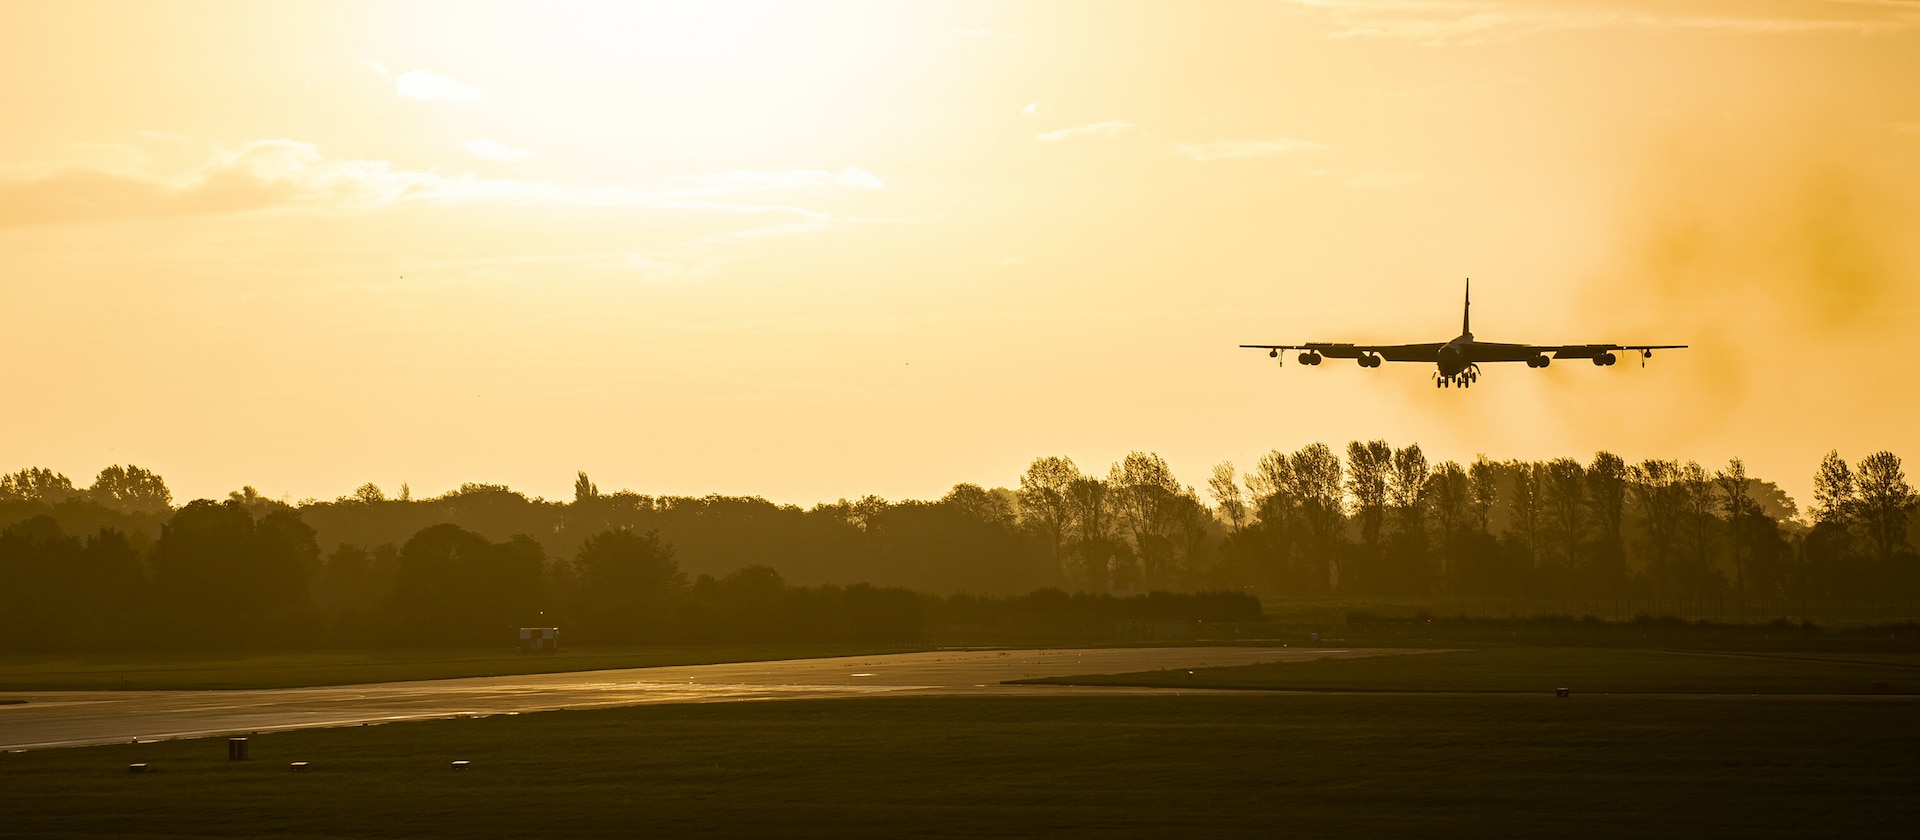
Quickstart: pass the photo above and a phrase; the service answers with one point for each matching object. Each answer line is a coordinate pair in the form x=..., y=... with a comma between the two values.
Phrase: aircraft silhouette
x=1458, y=360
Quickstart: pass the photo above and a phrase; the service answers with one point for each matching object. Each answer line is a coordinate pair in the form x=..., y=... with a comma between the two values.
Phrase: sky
x=819, y=250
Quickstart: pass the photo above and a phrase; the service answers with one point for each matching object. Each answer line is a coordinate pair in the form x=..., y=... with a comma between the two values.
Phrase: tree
x=36, y=484
x=991, y=507
x=452, y=586
x=1450, y=492
x=1316, y=486
x=1607, y=497
x=1092, y=529
x=1193, y=525
x=368, y=493
x=1144, y=493
x=228, y=580
x=1367, y=467
x=583, y=489
x=1651, y=484
x=1698, y=498
x=355, y=581
x=1566, y=507
x=1270, y=485
x=1408, y=490
x=1266, y=549
x=1833, y=493
x=629, y=584
x=1485, y=476
x=1737, y=503
x=1046, y=503
x=1227, y=497
x=130, y=489
x=1529, y=509
x=1885, y=502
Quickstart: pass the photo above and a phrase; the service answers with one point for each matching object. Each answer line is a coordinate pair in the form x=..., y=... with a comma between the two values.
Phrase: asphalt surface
x=81, y=718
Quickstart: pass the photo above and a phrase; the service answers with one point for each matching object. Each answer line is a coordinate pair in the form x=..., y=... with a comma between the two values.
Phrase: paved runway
x=79, y=718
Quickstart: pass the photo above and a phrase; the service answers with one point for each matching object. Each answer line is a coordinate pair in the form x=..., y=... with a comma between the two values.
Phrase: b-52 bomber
x=1458, y=361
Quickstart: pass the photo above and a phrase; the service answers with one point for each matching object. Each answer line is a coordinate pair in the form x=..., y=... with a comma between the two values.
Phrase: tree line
x=115, y=560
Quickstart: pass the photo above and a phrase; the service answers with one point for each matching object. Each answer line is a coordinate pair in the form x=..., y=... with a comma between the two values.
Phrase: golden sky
x=809, y=251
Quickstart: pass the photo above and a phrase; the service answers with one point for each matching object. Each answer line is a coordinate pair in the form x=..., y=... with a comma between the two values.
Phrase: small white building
x=539, y=639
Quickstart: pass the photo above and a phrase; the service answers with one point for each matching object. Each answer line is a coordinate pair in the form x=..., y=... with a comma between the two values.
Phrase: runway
x=81, y=718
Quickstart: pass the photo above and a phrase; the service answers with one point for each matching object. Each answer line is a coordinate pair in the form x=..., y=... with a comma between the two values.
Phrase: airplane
x=1458, y=360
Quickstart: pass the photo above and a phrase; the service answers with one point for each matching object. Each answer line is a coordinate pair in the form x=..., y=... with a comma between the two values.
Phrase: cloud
x=497, y=152
x=287, y=174
x=1473, y=22
x=261, y=174
x=1031, y=109
x=1242, y=149
x=431, y=86
x=1109, y=129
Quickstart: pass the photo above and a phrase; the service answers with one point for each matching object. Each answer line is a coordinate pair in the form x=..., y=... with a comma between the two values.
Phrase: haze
x=821, y=251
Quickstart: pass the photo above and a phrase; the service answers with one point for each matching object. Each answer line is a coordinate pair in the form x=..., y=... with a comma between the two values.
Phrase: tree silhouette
x=1047, y=505
x=131, y=489
x=1884, y=502
x=1227, y=497
x=35, y=484
x=453, y=586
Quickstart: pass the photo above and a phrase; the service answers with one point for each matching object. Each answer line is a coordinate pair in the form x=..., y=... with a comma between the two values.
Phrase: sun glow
x=710, y=72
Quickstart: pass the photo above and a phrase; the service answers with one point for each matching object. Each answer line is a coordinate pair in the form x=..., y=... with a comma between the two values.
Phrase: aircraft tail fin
x=1466, y=311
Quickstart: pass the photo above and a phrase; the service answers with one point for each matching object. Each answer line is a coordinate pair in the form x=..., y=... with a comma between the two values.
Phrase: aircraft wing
x=1389, y=352
x=1483, y=351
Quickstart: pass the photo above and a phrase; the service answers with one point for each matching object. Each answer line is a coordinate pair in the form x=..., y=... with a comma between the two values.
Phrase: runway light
x=460, y=765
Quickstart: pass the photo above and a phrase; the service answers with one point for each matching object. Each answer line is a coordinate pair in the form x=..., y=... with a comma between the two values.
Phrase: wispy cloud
x=1109, y=129
x=261, y=174
x=431, y=86
x=494, y=151
x=1031, y=109
x=1470, y=22
x=1243, y=149
x=287, y=174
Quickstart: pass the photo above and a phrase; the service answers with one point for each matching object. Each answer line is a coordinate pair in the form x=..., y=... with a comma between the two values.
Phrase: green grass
x=287, y=669
x=1584, y=669
x=1196, y=765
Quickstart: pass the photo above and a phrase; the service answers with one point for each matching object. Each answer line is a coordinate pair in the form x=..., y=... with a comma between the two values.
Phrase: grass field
x=1198, y=765
x=283, y=669
x=1586, y=670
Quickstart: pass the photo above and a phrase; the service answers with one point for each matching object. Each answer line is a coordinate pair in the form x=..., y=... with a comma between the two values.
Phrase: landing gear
x=1463, y=379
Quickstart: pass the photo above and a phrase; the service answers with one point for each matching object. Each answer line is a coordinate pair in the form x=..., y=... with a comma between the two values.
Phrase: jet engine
x=1539, y=361
x=1604, y=360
